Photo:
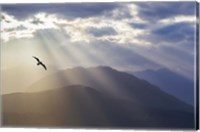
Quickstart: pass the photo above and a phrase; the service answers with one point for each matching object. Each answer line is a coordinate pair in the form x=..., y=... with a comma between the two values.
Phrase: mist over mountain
x=95, y=97
x=170, y=82
x=18, y=78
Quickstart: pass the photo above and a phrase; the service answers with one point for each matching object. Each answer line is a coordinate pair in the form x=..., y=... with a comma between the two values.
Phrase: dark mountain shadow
x=95, y=97
x=170, y=82
x=80, y=106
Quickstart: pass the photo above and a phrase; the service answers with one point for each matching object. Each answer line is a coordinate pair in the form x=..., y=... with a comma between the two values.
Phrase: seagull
x=40, y=63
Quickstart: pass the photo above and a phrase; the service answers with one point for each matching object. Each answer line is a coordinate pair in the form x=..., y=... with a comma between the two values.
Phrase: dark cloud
x=102, y=31
x=175, y=32
x=37, y=21
x=21, y=27
x=182, y=33
x=138, y=25
x=121, y=12
x=154, y=11
x=147, y=10
x=4, y=18
x=68, y=10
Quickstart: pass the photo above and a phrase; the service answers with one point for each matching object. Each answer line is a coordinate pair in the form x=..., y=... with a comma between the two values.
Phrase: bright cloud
x=77, y=29
x=13, y=28
x=178, y=19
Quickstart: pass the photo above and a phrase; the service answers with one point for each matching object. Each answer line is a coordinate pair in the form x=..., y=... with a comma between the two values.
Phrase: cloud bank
x=160, y=34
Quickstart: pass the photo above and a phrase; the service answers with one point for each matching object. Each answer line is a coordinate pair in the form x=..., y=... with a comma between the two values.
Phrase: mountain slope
x=113, y=83
x=81, y=106
x=170, y=82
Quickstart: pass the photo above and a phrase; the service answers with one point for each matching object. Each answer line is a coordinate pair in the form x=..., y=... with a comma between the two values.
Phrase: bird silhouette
x=40, y=63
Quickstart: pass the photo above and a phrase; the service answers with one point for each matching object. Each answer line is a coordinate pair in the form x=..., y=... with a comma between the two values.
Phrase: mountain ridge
x=110, y=82
x=82, y=106
x=95, y=97
x=169, y=82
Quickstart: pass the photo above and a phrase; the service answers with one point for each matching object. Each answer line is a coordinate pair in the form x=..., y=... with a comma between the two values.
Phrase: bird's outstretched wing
x=44, y=66
x=36, y=58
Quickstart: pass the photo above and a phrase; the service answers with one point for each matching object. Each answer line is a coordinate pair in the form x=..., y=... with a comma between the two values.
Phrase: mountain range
x=95, y=97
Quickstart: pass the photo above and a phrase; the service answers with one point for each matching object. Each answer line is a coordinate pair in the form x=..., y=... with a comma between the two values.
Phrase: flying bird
x=40, y=63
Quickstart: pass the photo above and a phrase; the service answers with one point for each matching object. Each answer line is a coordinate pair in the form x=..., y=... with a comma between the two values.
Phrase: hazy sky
x=126, y=36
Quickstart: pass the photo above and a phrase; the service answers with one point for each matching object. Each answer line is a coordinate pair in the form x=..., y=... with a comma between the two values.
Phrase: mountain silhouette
x=95, y=97
x=170, y=82
x=112, y=83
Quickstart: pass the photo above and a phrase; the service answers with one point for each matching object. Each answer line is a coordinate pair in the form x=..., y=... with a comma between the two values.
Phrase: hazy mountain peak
x=76, y=68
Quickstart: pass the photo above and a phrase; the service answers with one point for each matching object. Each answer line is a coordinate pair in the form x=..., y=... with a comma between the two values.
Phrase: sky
x=130, y=37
